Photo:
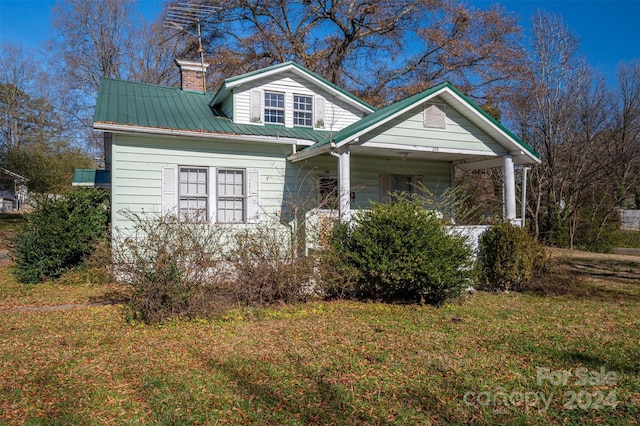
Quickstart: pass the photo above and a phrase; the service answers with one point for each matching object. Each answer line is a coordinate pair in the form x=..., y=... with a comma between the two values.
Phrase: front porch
x=421, y=140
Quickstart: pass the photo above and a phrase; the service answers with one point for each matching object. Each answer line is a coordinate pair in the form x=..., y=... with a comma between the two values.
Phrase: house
x=240, y=153
x=13, y=191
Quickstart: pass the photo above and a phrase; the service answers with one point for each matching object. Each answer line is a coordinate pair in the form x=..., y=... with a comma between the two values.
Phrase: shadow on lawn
x=299, y=394
x=607, y=280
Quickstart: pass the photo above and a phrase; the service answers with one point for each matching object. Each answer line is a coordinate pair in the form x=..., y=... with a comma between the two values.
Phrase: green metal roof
x=146, y=105
x=307, y=71
x=371, y=120
x=91, y=177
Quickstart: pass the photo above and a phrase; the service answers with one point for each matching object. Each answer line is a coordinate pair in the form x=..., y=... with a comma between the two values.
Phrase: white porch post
x=344, y=178
x=509, y=189
x=523, y=204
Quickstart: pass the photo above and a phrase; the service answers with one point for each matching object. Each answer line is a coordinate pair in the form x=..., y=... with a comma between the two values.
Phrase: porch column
x=509, y=189
x=344, y=183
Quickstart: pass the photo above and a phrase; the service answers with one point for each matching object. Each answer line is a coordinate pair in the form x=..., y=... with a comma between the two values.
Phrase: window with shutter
x=211, y=194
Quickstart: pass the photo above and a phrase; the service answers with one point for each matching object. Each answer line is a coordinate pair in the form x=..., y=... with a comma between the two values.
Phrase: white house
x=240, y=153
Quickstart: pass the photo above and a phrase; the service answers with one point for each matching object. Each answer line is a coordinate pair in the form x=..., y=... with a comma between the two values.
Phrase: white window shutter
x=385, y=188
x=212, y=201
x=318, y=120
x=256, y=106
x=434, y=116
x=170, y=190
x=253, y=196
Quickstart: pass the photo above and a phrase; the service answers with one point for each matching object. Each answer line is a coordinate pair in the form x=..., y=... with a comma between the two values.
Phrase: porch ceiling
x=405, y=153
x=464, y=160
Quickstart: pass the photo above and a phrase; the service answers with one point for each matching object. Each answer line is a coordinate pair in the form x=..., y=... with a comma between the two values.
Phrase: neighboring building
x=629, y=219
x=13, y=191
x=241, y=154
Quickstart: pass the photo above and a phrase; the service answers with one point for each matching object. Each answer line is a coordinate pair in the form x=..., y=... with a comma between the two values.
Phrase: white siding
x=138, y=163
x=337, y=113
x=458, y=133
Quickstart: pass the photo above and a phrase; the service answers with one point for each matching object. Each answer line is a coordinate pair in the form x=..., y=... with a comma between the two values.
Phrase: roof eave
x=349, y=137
x=312, y=152
x=502, y=134
x=130, y=129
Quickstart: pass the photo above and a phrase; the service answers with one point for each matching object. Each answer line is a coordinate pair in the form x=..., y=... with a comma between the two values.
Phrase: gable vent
x=434, y=116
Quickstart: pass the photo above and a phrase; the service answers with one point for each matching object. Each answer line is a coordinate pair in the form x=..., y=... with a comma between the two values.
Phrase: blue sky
x=609, y=30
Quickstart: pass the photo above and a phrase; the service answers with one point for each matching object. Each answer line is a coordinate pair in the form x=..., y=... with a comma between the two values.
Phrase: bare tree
x=34, y=141
x=623, y=145
x=94, y=38
x=583, y=131
x=103, y=38
x=380, y=49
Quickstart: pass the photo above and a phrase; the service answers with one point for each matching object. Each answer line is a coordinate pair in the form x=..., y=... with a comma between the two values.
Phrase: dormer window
x=302, y=111
x=274, y=107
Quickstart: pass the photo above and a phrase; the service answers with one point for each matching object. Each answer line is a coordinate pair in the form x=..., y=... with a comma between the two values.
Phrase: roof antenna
x=186, y=17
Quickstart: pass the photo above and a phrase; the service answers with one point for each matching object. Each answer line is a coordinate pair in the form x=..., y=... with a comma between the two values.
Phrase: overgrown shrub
x=401, y=252
x=60, y=233
x=267, y=268
x=508, y=257
x=173, y=268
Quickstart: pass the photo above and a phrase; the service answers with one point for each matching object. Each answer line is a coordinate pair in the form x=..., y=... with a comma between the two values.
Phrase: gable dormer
x=288, y=95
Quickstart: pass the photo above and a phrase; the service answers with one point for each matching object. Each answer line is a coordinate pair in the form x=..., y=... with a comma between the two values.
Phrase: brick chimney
x=191, y=75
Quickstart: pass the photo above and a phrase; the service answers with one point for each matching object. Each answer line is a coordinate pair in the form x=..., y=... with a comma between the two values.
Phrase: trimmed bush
x=401, y=252
x=508, y=258
x=60, y=234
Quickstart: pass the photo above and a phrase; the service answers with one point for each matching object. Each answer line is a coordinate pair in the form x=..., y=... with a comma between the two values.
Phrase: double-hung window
x=211, y=194
x=274, y=107
x=231, y=196
x=194, y=192
x=302, y=111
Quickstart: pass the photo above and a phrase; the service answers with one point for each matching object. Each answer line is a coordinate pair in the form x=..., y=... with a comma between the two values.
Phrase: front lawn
x=492, y=359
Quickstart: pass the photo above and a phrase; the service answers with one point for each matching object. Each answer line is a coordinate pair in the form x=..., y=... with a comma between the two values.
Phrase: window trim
x=169, y=188
x=269, y=107
x=308, y=112
x=187, y=196
x=219, y=195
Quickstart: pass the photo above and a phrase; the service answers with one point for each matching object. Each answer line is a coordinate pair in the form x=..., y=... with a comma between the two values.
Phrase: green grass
x=326, y=362
x=628, y=239
x=9, y=224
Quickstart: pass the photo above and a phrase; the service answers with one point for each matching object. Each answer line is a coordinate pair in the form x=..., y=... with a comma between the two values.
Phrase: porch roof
x=464, y=159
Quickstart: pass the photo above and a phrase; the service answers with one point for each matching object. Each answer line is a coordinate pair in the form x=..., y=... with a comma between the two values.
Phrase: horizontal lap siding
x=459, y=133
x=138, y=163
x=338, y=114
